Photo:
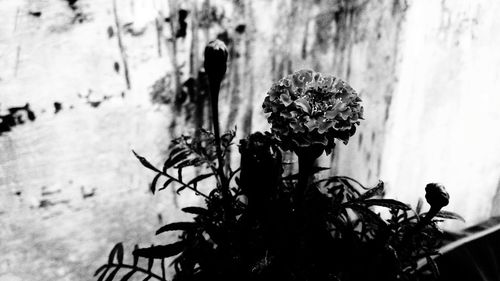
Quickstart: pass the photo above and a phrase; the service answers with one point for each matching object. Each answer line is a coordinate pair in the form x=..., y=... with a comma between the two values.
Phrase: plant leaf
x=127, y=276
x=136, y=258
x=179, y=174
x=433, y=266
x=377, y=190
x=150, y=263
x=449, y=215
x=420, y=204
x=388, y=203
x=178, y=191
x=117, y=252
x=176, y=226
x=100, y=269
x=159, y=252
x=101, y=277
x=195, y=210
x=179, y=157
x=112, y=275
x=145, y=162
x=319, y=169
x=366, y=213
x=199, y=178
x=166, y=183
x=153, y=184
x=184, y=163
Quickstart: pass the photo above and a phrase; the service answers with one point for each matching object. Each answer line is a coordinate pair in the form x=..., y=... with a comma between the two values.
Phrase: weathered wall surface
x=444, y=121
x=103, y=77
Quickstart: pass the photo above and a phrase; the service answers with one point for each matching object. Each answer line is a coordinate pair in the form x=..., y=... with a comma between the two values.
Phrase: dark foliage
x=262, y=223
x=336, y=234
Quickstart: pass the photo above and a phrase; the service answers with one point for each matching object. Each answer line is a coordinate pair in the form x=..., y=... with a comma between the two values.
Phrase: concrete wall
x=102, y=79
x=444, y=122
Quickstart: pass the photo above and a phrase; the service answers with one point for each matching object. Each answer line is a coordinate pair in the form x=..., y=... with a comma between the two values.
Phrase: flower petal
x=304, y=105
x=286, y=99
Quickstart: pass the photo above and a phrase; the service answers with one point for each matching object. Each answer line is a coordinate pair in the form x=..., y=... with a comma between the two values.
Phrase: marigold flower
x=308, y=107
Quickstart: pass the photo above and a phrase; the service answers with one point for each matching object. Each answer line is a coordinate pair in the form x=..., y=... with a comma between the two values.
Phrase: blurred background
x=83, y=82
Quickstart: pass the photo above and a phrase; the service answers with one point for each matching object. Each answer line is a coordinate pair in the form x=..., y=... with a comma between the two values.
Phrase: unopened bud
x=436, y=195
x=215, y=62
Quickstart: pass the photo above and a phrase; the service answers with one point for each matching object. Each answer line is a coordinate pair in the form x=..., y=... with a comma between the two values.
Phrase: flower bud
x=215, y=62
x=436, y=195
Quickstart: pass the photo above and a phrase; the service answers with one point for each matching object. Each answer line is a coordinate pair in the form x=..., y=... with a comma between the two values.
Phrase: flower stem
x=307, y=157
x=224, y=184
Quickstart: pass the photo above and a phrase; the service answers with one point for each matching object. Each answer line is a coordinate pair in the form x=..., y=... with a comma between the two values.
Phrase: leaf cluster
x=342, y=230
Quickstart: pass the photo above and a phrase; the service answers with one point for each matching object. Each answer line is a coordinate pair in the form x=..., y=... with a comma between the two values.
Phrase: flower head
x=307, y=107
x=436, y=195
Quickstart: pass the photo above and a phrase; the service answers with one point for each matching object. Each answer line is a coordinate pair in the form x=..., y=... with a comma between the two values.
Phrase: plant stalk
x=307, y=157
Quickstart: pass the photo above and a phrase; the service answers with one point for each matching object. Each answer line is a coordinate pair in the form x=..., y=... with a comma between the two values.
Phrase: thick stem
x=214, y=93
x=224, y=184
x=307, y=157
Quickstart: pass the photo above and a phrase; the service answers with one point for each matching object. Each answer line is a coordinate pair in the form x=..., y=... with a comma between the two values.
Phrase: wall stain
x=16, y=116
x=87, y=194
x=181, y=31
x=57, y=107
x=36, y=14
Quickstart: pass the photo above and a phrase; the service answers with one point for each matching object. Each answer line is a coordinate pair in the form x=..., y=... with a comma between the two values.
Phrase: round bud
x=215, y=61
x=436, y=195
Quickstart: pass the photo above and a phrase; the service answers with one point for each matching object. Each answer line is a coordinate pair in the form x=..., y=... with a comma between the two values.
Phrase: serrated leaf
x=168, y=163
x=112, y=275
x=352, y=192
x=319, y=169
x=150, y=263
x=127, y=276
x=420, y=204
x=200, y=178
x=100, y=269
x=183, y=226
x=181, y=156
x=153, y=183
x=163, y=273
x=449, y=215
x=101, y=277
x=160, y=252
x=145, y=162
x=179, y=174
x=117, y=252
x=377, y=190
x=166, y=183
x=388, y=203
x=366, y=213
x=136, y=258
x=195, y=210
x=183, y=163
x=178, y=191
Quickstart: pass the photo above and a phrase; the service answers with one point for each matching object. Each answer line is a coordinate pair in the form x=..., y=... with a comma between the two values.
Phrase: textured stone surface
x=444, y=117
x=70, y=187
